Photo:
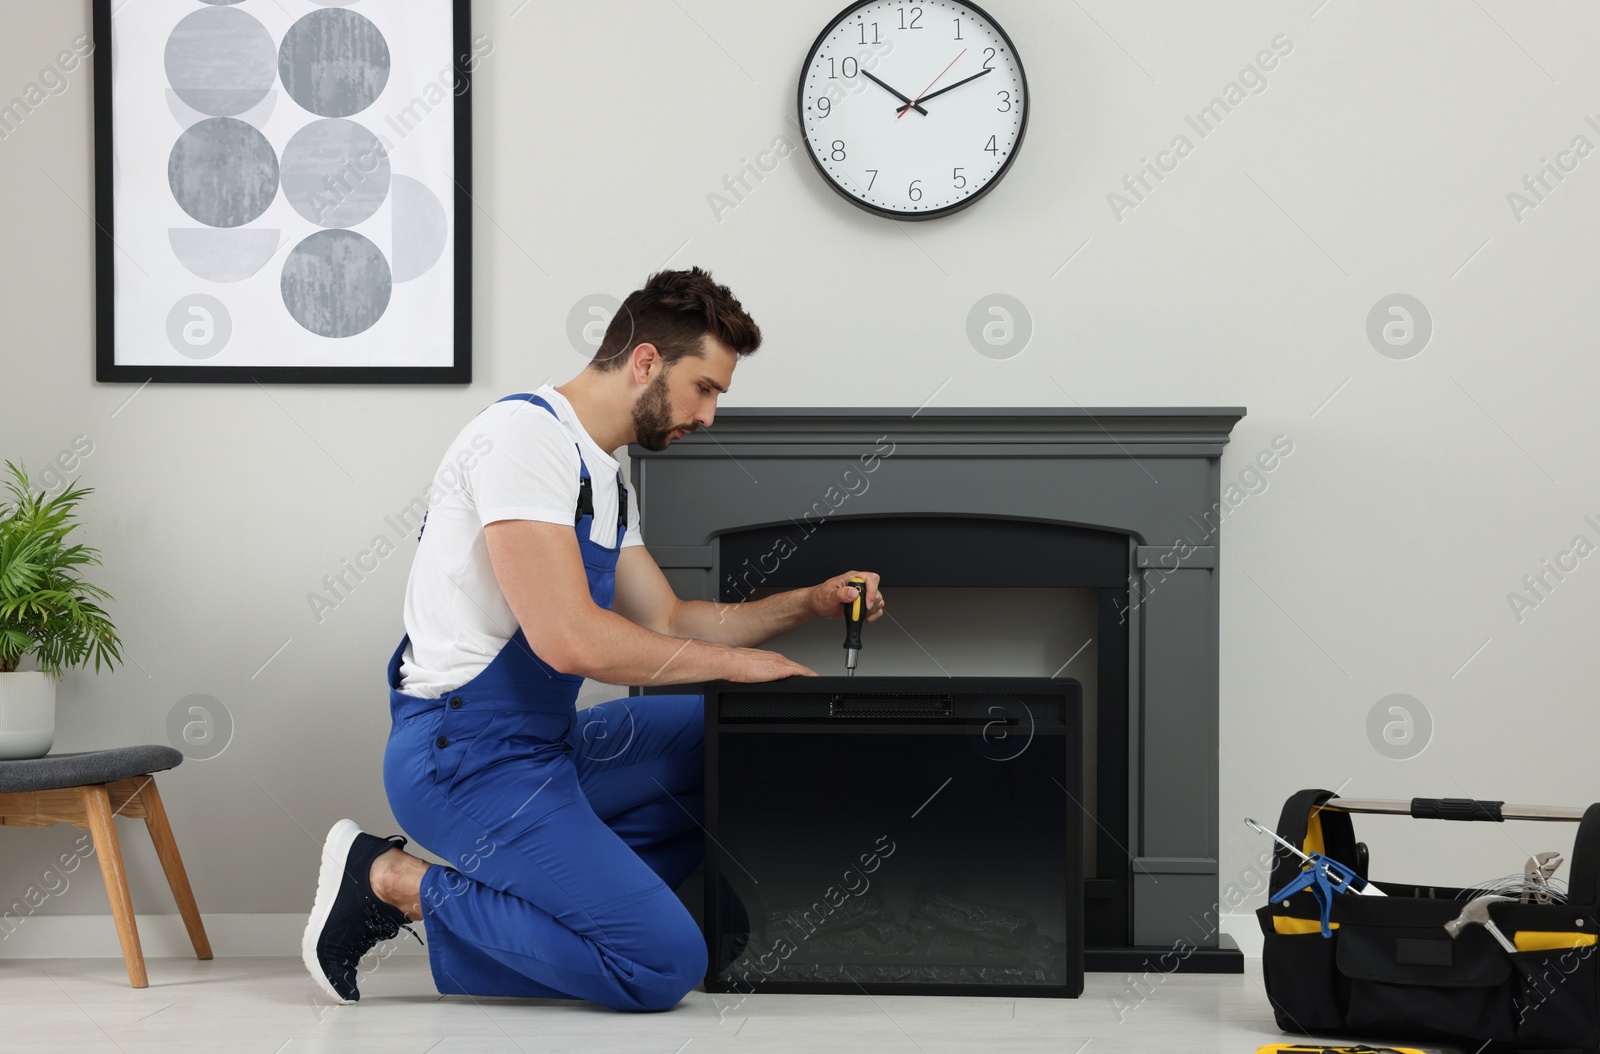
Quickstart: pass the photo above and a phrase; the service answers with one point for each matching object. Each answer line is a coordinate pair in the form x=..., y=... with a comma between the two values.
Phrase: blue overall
x=565, y=834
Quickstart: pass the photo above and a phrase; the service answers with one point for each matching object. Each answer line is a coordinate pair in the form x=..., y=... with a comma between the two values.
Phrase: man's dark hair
x=676, y=311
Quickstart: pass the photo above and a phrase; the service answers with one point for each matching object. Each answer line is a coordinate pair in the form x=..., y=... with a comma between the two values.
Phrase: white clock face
x=970, y=95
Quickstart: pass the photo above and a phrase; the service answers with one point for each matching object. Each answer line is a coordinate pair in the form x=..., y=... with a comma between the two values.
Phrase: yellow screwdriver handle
x=855, y=613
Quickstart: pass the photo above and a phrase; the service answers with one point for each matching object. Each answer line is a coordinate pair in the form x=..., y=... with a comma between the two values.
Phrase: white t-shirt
x=514, y=461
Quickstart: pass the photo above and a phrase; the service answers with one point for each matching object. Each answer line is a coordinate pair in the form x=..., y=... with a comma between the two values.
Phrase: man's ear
x=645, y=358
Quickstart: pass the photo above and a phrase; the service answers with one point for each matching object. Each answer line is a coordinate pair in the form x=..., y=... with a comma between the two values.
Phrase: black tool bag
x=1390, y=971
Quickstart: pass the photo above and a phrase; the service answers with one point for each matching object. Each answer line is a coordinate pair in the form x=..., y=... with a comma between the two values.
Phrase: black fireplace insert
x=895, y=835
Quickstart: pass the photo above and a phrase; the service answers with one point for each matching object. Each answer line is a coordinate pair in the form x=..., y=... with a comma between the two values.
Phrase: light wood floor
x=84, y=1006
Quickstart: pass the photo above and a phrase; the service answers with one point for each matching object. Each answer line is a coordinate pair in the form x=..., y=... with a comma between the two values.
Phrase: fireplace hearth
x=1100, y=505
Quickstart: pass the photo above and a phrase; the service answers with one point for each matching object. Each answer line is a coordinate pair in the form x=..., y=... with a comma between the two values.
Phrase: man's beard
x=652, y=416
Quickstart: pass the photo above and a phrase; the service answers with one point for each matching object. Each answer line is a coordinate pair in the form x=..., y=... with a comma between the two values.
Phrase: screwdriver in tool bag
x=855, y=613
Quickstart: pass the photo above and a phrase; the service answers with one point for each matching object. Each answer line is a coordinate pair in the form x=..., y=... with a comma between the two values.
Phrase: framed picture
x=283, y=191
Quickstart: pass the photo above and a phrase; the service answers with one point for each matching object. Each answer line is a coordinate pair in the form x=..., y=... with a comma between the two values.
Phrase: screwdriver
x=854, y=614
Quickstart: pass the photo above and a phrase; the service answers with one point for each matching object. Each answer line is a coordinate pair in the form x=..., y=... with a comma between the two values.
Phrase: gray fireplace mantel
x=1151, y=474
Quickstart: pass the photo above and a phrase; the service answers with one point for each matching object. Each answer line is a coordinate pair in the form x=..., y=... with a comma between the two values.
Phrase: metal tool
x=1537, y=873
x=1476, y=913
x=1323, y=877
x=1355, y=882
x=855, y=613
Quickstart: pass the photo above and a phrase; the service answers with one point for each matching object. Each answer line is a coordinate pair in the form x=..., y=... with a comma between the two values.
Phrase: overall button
x=455, y=702
x=441, y=742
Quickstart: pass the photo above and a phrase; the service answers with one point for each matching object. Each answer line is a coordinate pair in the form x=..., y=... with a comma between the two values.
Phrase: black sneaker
x=347, y=918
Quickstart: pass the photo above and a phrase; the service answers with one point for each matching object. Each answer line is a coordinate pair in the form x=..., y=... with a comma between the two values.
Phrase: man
x=564, y=834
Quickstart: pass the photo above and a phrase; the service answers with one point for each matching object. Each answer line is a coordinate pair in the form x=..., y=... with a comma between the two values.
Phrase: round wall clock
x=913, y=110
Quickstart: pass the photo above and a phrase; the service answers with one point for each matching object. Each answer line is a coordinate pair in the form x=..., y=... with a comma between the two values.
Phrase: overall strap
x=585, y=486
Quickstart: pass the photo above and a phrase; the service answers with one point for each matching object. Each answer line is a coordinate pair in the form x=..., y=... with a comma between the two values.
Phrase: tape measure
x=1317, y=1048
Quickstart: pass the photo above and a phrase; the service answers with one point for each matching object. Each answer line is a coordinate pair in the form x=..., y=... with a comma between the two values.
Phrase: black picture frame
x=459, y=371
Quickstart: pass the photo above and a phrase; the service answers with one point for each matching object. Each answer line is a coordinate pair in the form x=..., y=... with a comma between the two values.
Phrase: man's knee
x=678, y=963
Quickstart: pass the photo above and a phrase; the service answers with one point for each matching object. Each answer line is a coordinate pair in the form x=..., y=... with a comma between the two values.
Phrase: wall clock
x=913, y=110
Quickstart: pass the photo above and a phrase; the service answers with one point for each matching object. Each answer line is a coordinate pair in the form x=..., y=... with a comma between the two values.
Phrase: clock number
x=916, y=16
x=1005, y=97
x=993, y=147
x=958, y=30
x=838, y=149
x=874, y=178
x=960, y=180
x=825, y=105
x=915, y=193
x=863, y=27
x=849, y=67
x=988, y=58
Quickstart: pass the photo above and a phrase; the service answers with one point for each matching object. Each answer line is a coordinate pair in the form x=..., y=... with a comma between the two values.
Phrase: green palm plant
x=45, y=608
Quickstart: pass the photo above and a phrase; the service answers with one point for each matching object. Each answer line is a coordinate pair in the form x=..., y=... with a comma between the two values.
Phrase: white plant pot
x=27, y=715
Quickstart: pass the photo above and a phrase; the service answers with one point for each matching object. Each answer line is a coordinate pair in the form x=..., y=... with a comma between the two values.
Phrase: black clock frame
x=971, y=199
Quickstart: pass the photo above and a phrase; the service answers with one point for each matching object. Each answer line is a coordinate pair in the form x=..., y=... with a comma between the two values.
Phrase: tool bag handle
x=1457, y=809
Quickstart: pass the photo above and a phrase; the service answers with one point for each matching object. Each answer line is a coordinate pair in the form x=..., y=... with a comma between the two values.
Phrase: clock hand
x=952, y=87
x=932, y=83
x=891, y=91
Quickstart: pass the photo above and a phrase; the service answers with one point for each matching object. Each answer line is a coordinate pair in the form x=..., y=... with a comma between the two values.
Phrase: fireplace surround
x=1121, y=502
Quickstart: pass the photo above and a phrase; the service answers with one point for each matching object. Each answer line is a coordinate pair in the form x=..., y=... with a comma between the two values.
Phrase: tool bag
x=1389, y=970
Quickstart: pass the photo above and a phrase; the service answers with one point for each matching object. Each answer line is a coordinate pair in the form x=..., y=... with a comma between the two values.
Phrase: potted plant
x=46, y=611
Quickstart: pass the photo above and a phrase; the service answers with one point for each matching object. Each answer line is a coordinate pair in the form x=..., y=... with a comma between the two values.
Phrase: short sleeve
x=530, y=472
x=635, y=535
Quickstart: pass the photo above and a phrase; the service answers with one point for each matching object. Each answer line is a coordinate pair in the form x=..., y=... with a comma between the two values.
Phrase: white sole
x=330, y=878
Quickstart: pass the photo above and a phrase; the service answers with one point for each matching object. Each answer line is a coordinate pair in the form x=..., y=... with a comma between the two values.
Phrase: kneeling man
x=565, y=833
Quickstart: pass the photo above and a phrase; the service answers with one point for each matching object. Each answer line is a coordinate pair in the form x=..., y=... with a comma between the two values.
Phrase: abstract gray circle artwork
x=221, y=61
x=421, y=229
x=334, y=62
x=219, y=255
x=223, y=172
x=336, y=283
x=335, y=173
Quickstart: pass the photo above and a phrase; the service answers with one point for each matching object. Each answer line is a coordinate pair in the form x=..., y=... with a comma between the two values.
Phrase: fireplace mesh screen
x=941, y=853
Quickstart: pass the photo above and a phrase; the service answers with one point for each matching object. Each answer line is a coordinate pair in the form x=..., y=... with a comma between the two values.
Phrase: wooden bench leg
x=155, y=818
x=97, y=810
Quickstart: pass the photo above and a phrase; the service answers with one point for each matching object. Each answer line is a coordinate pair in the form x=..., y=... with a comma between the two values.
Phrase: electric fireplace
x=1042, y=544
x=894, y=835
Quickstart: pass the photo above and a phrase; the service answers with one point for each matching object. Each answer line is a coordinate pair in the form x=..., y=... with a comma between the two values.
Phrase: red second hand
x=931, y=84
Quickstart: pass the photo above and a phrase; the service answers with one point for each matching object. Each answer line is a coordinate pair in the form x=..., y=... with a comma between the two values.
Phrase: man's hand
x=755, y=664
x=828, y=599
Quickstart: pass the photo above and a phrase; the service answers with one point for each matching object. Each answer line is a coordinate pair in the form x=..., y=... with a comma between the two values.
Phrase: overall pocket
x=454, y=734
x=471, y=743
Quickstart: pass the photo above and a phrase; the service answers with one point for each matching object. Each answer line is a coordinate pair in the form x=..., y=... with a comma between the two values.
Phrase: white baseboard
x=245, y=936
x=1245, y=931
x=163, y=936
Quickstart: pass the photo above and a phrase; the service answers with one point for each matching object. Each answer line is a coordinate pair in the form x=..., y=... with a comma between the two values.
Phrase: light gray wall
x=1377, y=160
